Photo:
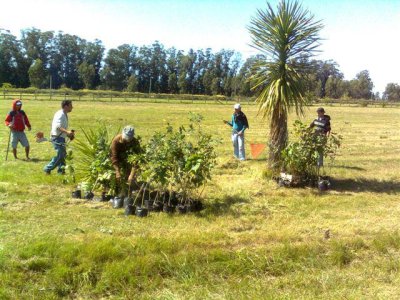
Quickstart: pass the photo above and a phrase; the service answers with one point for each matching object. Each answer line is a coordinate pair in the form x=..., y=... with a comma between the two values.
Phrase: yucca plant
x=93, y=164
x=285, y=38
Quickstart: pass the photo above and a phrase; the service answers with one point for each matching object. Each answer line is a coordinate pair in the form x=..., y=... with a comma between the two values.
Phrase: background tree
x=335, y=87
x=117, y=67
x=87, y=73
x=325, y=70
x=13, y=65
x=361, y=87
x=132, y=84
x=37, y=74
x=392, y=92
x=283, y=37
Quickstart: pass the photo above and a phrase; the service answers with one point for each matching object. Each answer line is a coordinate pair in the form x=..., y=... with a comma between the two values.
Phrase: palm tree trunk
x=278, y=138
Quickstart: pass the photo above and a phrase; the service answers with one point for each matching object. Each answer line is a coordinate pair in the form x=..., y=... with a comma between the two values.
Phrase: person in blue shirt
x=239, y=124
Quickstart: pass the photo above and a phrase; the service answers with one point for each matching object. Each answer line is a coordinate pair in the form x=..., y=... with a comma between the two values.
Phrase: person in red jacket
x=17, y=120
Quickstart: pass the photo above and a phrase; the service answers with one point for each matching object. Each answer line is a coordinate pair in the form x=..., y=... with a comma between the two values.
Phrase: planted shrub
x=301, y=155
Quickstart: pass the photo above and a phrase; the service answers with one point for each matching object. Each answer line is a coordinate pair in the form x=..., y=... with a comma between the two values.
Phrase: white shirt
x=60, y=120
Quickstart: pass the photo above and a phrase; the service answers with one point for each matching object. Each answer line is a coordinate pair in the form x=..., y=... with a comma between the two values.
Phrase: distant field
x=253, y=240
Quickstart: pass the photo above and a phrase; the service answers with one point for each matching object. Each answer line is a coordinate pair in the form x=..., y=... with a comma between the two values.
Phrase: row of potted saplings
x=144, y=200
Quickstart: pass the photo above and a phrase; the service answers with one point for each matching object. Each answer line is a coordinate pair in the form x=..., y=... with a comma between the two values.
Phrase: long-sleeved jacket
x=17, y=118
x=322, y=124
x=239, y=122
x=120, y=149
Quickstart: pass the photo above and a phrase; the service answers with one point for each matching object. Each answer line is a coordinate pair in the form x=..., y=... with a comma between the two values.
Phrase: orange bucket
x=256, y=149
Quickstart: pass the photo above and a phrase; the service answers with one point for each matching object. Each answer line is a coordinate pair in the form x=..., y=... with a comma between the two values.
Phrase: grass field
x=253, y=240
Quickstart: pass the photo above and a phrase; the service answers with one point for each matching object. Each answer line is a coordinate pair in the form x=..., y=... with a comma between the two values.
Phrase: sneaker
x=47, y=172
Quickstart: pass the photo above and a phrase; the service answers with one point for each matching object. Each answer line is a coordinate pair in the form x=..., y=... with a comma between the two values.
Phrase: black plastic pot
x=88, y=195
x=105, y=197
x=323, y=185
x=130, y=210
x=196, y=205
x=117, y=202
x=180, y=208
x=157, y=206
x=168, y=208
x=77, y=194
x=142, y=212
x=128, y=201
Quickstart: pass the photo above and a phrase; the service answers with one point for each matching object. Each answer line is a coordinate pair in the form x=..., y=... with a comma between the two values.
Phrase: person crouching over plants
x=322, y=125
x=122, y=145
x=239, y=124
x=17, y=120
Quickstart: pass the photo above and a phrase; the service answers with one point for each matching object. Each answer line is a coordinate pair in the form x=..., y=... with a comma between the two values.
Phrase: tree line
x=48, y=59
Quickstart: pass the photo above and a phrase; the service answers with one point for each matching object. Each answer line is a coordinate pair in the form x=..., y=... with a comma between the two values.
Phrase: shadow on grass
x=224, y=206
x=36, y=160
x=365, y=185
x=349, y=168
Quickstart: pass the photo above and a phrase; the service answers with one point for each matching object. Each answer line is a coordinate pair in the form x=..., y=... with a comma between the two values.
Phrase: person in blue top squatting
x=239, y=124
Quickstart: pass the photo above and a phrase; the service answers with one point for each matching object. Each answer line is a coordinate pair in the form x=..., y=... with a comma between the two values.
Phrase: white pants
x=238, y=146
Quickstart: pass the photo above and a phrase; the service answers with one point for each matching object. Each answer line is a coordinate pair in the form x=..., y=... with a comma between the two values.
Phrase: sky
x=357, y=34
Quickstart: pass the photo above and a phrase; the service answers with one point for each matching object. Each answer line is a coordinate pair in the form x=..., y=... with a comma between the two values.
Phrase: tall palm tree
x=287, y=39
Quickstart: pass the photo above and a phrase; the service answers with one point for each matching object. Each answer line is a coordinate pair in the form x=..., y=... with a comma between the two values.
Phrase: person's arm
x=242, y=131
x=26, y=120
x=229, y=123
x=8, y=121
x=114, y=158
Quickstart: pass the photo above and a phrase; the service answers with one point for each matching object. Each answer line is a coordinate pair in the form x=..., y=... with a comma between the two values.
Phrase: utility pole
x=150, y=86
x=51, y=85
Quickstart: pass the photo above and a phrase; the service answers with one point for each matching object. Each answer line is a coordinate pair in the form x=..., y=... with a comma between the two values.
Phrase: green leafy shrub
x=180, y=160
x=300, y=156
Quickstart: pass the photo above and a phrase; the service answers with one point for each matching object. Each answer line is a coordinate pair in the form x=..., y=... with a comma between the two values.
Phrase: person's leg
x=25, y=143
x=320, y=162
x=62, y=153
x=235, y=145
x=14, y=143
x=59, y=146
x=242, y=155
x=27, y=152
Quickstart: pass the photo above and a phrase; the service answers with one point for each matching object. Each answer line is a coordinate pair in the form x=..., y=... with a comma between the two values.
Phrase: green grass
x=253, y=240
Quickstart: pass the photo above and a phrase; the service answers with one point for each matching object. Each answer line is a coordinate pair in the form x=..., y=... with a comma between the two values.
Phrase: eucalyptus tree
x=283, y=37
x=37, y=44
x=117, y=67
x=70, y=54
x=37, y=74
x=93, y=56
x=13, y=65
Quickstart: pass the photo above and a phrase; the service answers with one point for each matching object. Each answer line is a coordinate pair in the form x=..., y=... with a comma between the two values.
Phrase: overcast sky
x=358, y=34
